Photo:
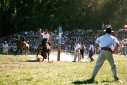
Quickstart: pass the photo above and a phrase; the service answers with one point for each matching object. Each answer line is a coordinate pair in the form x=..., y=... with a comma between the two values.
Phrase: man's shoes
x=116, y=79
x=90, y=80
x=73, y=61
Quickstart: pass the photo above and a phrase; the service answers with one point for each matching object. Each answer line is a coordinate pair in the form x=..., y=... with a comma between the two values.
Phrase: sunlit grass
x=18, y=70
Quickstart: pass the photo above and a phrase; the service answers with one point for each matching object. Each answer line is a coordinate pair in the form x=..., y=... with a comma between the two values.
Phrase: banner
x=60, y=34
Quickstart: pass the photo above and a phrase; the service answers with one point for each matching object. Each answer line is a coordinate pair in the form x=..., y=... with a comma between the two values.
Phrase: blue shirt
x=91, y=47
x=107, y=40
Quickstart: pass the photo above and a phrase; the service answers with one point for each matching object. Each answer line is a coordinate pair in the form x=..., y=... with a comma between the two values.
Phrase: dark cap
x=108, y=30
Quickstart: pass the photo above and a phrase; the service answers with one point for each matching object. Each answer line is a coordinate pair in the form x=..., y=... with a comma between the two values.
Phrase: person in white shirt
x=109, y=45
x=77, y=51
x=5, y=47
x=45, y=36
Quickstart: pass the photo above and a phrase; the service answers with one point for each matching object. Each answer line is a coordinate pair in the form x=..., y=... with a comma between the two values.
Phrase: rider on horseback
x=22, y=38
x=41, y=47
x=45, y=37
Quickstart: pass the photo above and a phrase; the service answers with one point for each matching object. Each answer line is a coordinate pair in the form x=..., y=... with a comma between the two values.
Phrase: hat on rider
x=108, y=30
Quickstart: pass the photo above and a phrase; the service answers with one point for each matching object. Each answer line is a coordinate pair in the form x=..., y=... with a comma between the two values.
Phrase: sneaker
x=73, y=61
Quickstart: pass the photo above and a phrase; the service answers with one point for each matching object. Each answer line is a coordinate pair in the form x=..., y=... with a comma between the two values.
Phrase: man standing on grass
x=108, y=44
x=91, y=51
x=77, y=51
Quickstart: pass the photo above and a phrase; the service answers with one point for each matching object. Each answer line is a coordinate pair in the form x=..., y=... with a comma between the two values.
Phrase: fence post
x=59, y=45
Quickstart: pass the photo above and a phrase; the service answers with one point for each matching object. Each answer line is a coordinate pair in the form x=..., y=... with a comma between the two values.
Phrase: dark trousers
x=90, y=56
x=82, y=53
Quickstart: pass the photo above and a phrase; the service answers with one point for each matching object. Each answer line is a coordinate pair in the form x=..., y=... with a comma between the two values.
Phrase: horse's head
x=23, y=44
x=14, y=40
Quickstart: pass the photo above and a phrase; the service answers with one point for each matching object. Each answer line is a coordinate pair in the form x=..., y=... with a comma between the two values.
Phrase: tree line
x=26, y=15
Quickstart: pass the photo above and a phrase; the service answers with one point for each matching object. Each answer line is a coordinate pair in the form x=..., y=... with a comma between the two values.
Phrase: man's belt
x=106, y=48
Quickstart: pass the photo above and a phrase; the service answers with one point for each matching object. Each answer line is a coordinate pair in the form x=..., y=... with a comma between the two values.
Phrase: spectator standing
x=109, y=44
x=77, y=51
x=5, y=47
x=82, y=50
x=91, y=51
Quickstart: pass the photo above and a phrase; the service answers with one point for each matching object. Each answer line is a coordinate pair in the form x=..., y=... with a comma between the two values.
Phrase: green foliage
x=24, y=15
x=19, y=70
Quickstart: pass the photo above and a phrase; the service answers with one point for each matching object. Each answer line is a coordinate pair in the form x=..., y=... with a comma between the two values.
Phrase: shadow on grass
x=106, y=81
x=85, y=82
x=89, y=82
x=32, y=61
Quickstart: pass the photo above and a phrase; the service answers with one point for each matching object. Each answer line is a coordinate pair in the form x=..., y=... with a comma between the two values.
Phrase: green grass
x=19, y=70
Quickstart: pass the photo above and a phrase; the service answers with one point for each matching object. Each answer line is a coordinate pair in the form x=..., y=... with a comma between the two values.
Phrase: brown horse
x=25, y=47
x=22, y=46
x=44, y=50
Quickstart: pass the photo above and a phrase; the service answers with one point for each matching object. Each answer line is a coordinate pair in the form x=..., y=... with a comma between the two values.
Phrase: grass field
x=23, y=70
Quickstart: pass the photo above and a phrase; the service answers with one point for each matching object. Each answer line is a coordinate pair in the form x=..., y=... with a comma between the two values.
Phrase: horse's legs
x=42, y=60
x=16, y=52
x=26, y=51
x=48, y=56
x=21, y=52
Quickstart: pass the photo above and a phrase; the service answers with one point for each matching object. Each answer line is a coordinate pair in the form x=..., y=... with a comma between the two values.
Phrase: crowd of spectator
x=68, y=39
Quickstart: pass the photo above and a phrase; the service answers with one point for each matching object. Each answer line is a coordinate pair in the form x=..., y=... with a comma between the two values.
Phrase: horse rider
x=22, y=38
x=45, y=37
